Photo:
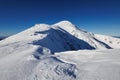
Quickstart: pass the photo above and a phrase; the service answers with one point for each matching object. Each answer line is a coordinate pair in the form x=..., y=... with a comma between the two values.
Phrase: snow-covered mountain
x=95, y=40
x=29, y=55
x=63, y=36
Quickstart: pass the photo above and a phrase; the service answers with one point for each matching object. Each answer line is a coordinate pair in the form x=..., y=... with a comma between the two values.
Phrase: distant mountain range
x=116, y=36
x=1, y=38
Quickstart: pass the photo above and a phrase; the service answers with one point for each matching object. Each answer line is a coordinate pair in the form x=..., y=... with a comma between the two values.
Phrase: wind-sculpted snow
x=31, y=62
x=52, y=68
x=94, y=64
x=30, y=54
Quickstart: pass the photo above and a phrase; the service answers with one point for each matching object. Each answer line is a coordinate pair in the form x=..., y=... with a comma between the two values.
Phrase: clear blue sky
x=97, y=16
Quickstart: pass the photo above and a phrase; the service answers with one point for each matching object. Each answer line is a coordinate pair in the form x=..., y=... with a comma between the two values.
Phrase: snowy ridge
x=29, y=55
x=63, y=32
x=27, y=35
x=111, y=41
x=88, y=37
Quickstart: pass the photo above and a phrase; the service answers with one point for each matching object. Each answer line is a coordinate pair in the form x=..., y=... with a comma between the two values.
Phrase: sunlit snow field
x=94, y=64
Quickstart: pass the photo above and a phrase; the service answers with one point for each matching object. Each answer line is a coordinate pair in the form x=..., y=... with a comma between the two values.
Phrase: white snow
x=30, y=54
x=30, y=64
x=97, y=41
x=112, y=42
x=95, y=64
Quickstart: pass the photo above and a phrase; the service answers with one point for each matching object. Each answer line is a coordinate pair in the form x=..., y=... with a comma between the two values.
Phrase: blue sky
x=97, y=16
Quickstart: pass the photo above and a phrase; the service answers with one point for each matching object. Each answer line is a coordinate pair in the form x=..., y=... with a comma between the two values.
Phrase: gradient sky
x=97, y=16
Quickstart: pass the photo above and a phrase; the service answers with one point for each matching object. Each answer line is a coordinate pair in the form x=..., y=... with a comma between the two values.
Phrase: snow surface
x=111, y=41
x=95, y=40
x=94, y=64
x=30, y=54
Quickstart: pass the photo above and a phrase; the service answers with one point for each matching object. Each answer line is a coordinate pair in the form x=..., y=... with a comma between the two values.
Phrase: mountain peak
x=65, y=22
x=65, y=25
x=41, y=27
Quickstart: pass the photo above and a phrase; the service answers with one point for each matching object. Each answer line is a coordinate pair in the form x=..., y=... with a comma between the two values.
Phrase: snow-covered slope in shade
x=88, y=37
x=56, y=40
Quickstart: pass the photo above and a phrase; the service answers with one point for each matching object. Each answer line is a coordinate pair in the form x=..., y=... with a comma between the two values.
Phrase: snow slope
x=111, y=41
x=29, y=55
x=94, y=64
x=21, y=61
x=95, y=40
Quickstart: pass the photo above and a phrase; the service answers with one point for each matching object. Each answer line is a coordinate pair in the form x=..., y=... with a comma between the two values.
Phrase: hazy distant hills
x=116, y=36
x=1, y=38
